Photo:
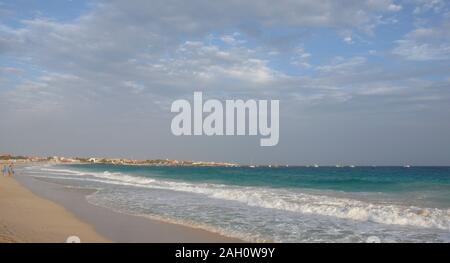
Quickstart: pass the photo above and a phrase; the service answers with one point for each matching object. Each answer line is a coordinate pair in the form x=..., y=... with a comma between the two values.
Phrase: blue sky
x=358, y=81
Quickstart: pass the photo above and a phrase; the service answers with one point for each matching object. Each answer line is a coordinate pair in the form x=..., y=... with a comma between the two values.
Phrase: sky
x=362, y=82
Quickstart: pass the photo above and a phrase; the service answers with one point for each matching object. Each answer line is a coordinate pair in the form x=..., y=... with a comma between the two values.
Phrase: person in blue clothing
x=5, y=170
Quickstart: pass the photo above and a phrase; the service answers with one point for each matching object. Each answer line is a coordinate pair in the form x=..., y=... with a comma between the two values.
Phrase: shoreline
x=112, y=225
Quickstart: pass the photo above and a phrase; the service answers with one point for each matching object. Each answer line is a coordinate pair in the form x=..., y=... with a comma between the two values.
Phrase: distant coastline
x=6, y=158
x=23, y=159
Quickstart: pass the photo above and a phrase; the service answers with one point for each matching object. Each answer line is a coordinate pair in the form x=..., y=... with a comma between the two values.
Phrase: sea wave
x=284, y=199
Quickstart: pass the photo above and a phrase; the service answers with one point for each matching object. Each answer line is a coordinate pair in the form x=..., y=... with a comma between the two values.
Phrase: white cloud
x=422, y=44
x=211, y=63
x=435, y=6
x=341, y=65
x=232, y=39
x=348, y=40
x=394, y=7
x=301, y=58
x=413, y=50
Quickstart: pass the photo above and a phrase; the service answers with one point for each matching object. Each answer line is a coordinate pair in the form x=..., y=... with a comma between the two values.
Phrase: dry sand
x=25, y=217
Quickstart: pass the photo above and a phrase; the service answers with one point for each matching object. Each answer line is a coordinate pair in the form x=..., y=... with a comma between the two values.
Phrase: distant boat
x=352, y=166
x=270, y=166
x=407, y=166
x=252, y=166
x=316, y=166
x=338, y=166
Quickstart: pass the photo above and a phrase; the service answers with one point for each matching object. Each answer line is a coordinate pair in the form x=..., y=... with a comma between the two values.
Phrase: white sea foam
x=286, y=199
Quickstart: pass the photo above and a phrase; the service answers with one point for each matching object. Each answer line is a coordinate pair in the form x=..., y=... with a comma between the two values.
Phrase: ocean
x=278, y=204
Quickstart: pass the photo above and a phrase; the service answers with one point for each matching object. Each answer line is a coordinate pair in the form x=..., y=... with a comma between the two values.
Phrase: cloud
x=301, y=58
x=113, y=26
x=266, y=13
x=413, y=50
x=348, y=40
x=232, y=39
x=210, y=63
x=425, y=43
x=138, y=49
x=341, y=65
x=435, y=6
x=394, y=7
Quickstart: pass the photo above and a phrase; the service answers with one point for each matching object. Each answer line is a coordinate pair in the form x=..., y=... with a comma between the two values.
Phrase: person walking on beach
x=11, y=170
x=5, y=170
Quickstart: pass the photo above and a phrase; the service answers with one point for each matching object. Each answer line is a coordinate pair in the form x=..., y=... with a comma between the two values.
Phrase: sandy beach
x=25, y=217
x=33, y=210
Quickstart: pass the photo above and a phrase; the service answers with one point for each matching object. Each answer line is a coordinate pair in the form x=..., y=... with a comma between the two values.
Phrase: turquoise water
x=283, y=204
x=358, y=179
